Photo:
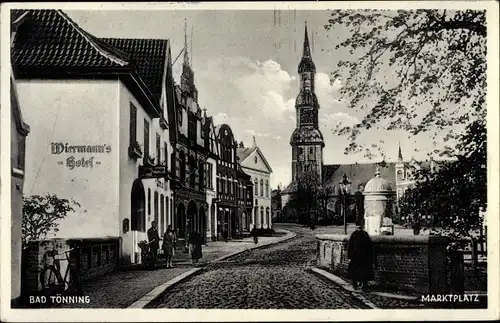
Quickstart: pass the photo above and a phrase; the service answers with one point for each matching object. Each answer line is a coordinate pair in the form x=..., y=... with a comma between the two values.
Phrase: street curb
x=345, y=285
x=157, y=291
x=290, y=235
x=162, y=289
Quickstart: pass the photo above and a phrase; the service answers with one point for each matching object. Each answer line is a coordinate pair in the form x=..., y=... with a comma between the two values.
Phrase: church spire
x=400, y=155
x=306, y=52
x=186, y=54
x=306, y=63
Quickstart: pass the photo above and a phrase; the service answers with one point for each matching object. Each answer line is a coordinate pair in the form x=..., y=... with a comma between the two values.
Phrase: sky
x=245, y=64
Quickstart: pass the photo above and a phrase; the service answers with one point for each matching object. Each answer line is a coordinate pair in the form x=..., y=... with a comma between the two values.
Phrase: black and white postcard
x=223, y=161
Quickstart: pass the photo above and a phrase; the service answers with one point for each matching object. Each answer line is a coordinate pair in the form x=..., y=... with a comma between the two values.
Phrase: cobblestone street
x=275, y=277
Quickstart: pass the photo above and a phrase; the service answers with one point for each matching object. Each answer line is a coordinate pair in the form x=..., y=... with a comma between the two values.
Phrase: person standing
x=169, y=240
x=253, y=233
x=195, y=246
x=154, y=243
x=417, y=226
x=360, y=254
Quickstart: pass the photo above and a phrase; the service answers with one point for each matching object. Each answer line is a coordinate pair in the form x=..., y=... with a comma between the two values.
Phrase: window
x=133, y=125
x=256, y=185
x=166, y=212
x=226, y=186
x=261, y=187
x=311, y=150
x=158, y=149
x=192, y=128
x=156, y=207
x=267, y=188
x=21, y=152
x=149, y=201
x=146, y=138
x=262, y=216
x=209, y=176
x=400, y=175
x=192, y=172
x=162, y=215
x=201, y=175
x=165, y=148
x=179, y=117
x=255, y=159
x=182, y=167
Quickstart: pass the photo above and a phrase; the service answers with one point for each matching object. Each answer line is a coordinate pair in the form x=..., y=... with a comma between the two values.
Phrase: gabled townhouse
x=188, y=157
x=100, y=119
x=210, y=138
x=254, y=164
x=227, y=182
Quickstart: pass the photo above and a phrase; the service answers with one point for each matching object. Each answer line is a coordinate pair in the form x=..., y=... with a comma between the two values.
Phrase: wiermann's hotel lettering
x=58, y=148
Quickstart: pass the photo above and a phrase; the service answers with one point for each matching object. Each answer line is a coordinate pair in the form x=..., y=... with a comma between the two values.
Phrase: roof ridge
x=91, y=40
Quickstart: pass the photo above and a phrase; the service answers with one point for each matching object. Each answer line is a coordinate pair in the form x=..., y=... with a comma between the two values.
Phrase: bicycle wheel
x=49, y=280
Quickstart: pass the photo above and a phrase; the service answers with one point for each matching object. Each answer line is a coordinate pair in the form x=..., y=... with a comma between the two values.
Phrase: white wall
x=80, y=112
x=211, y=194
x=258, y=170
x=129, y=171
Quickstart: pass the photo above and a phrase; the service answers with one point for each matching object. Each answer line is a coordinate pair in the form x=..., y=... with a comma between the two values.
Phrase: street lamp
x=345, y=186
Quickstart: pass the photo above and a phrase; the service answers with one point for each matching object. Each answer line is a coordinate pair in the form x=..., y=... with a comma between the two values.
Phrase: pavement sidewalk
x=122, y=288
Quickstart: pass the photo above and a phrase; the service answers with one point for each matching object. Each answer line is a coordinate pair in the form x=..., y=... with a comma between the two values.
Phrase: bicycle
x=52, y=281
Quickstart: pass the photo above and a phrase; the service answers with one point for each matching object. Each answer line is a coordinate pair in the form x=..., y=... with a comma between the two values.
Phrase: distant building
x=99, y=111
x=276, y=204
x=254, y=163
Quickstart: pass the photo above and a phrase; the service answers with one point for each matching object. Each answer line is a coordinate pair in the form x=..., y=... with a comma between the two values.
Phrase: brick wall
x=91, y=257
x=416, y=263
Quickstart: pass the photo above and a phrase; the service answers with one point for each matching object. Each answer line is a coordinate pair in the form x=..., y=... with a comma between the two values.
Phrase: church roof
x=359, y=174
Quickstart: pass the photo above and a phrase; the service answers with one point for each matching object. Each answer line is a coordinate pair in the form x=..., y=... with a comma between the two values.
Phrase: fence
x=91, y=258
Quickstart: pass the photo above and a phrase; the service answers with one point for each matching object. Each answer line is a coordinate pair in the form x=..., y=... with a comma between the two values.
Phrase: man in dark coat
x=154, y=243
x=254, y=234
x=360, y=253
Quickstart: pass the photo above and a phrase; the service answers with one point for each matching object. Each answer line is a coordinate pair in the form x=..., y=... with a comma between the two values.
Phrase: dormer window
x=255, y=159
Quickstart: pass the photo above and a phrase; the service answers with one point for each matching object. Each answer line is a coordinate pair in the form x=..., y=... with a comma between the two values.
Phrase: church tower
x=307, y=141
x=187, y=76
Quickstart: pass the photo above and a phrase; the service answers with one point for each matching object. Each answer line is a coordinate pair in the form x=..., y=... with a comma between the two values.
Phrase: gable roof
x=244, y=153
x=50, y=39
x=149, y=55
x=50, y=44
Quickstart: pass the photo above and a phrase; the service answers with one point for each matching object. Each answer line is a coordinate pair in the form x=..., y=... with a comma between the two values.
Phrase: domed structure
x=307, y=134
x=379, y=198
x=378, y=184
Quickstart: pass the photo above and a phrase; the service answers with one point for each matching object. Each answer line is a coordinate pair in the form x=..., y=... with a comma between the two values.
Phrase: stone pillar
x=379, y=197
